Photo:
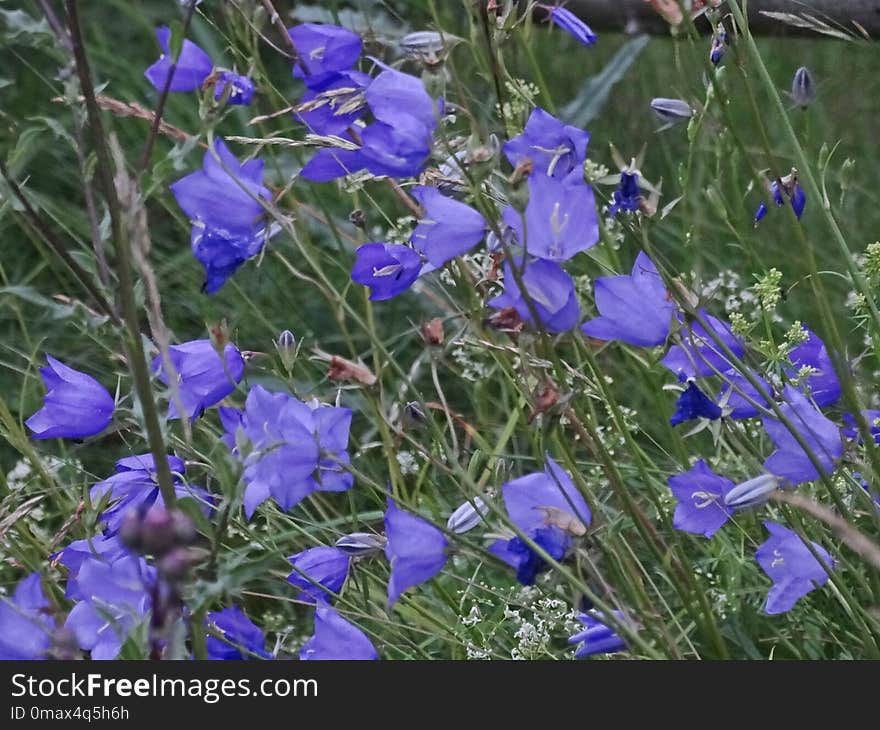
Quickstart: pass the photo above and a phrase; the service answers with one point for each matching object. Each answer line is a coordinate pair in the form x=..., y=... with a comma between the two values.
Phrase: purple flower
x=134, y=488
x=635, y=309
x=291, y=448
x=699, y=354
x=694, y=403
x=596, y=638
x=752, y=492
x=223, y=200
x=388, y=269
x=573, y=25
x=221, y=252
x=25, y=626
x=449, y=228
x=203, y=377
x=794, y=570
x=116, y=597
x=108, y=548
x=416, y=550
x=241, y=88
x=560, y=218
x=336, y=639
x=821, y=436
x=628, y=194
x=324, y=50
x=550, y=289
x=872, y=417
x=700, y=493
x=241, y=637
x=75, y=406
x=548, y=508
x=192, y=68
x=740, y=398
x=792, y=189
x=554, y=148
x=331, y=108
x=823, y=385
x=326, y=566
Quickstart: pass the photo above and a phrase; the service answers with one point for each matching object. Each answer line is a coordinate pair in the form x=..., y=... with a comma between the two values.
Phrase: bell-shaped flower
x=25, y=625
x=597, y=637
x=635, y=309
x=241, y=88
x=448, y=229
x=335, y=639
x=388, y=269
x=792, y=567
x=550, y=289
x=573, y=25
x=325, y=566
x=222, y=252
x=416, y=550
x=694, y=403
x=699, y=353
x=242, y=638
x=822, y=383
x=324, y=50
x=203, y=378
x=75, y=406
x=334, y=106
x=821, y=436
x=739, y=398
x=700, y=492
x=192, y=68
x=548, y=146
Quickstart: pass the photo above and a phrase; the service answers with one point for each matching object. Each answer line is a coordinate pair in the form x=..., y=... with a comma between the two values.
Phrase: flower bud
x=671, y=111
x=174, y=565
x=467, y=516
x=427, y=46
x=286, y=346
x=803, y=91
x=158, y=532
x=752, y=492
x=360, y=544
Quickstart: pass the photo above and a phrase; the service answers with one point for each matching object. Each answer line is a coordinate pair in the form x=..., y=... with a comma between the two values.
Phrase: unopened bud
x=752, y=492
x=175, y=565
x=286, y=346
x=467, y=516
x=671, y=111
x=803, y=90
x=360, y=544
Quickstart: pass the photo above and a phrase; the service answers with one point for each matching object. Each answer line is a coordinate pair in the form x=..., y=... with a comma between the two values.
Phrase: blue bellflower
x=388, y=269
x=222, y=252
x=573, y=25
x=107, y=548
x=75, y=406
x=291, y=448
x=416, y=550
x=792, y=190
x=872, y=417
x=242, y=639
x=628, y=195
x=448, y=229
x=549, y=146
x=791, y=566
x=192, y=68
x=334, y=106
x=25, y=626
x=635, y=309
x=548, y=508
x=740, y=398
x=335, y=639
x=699, y=354
x=821, y=436
x=241, y=88
x=694, y=403
x=326, y=566
x=597, y=637
x=203, y=377
x=324, y=50
x=823, y=386
x=550, y=289
x=700, y=492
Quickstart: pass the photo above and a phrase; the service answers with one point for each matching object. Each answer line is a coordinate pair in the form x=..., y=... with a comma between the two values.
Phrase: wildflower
x=793, y=191
x=75, y=405
x=550, y=289
x=108, y=548
x=821, y=436
x=192, y=68
x=226, y=201
x=694, y=403
x=597, y=637
x=448, y=229
x=324, y=50
x=574, y=26
x=718, y=49
x=872, y=417
x=134, y=488
x=467, y=516
x=699, y=353
x=548, y=146
x=628, y=195
x=25, y=626
x=635, y=309
x=116, y=597
x=388, y=269
x=204, y=378
x=739, y=398
x=752, y=492
x=824, y=388
x=701, y=493
x=241, y=88
x=803, y=90
x=222, y=252
x=241, y=637
x=548, y=508
x=794, y=570
x=560, y=218
x=416, y=550
x=671, y=111
x=293, y=448
x=336, y=639
x=332, y=107
x=326, y=566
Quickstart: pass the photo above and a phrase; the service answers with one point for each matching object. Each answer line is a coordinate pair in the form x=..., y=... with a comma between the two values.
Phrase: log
x=637, y=16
